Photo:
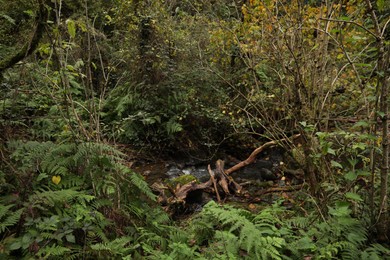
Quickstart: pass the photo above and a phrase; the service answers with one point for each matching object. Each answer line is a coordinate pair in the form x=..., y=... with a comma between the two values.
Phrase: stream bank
x=264, y=181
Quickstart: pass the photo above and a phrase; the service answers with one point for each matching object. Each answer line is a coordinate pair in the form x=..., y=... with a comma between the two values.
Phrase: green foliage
x=8, y=218
x=60, y=217
x=240, y=231
x=187, y=76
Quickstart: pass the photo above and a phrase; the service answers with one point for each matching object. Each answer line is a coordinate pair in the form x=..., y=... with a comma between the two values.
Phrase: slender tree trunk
x=383, y=85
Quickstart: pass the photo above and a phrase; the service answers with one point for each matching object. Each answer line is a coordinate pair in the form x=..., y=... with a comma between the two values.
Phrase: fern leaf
x=8, y=219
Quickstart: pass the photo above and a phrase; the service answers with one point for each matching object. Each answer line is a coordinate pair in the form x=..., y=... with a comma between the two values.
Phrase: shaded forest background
x=84, y=84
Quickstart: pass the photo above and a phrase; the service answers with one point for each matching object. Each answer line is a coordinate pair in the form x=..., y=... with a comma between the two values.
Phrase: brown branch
x=351, y=22
x=211, y=172
x=180, y=194
x=258, y=150
x=278, y=189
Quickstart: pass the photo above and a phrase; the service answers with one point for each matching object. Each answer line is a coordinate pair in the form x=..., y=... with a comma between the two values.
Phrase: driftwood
x=220, y=182
x=258, y=150
x=181, y=192
x=218, y=179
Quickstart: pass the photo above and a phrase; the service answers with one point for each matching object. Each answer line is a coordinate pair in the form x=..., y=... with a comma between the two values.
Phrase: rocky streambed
x=265, y=180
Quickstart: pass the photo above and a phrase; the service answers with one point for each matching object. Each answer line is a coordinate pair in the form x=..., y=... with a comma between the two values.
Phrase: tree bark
x=383, y=80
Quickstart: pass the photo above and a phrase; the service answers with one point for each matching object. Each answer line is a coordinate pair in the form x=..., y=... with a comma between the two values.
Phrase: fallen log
x=220, y=182
x=181, y=192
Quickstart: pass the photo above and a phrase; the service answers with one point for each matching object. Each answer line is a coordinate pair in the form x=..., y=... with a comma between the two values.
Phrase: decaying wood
x=258, y=150
x=220, y=179
x=212, y=174
x=181, y=192
x=221, y=176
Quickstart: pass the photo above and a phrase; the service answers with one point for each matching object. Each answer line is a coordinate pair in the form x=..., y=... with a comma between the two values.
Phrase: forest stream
x=265, y=181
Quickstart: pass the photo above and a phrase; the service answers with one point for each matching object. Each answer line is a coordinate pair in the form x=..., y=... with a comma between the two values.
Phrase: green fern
x=8, y=218
x=54, y=250
x=255, y=241
x=115, y=248
x=53, y=198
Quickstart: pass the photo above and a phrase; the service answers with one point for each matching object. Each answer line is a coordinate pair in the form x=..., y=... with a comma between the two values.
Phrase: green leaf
x=330, y=151
x=70, y=238
x=15, y=246
x=380, y=113
x=361, y=124
x=71, y=28
x=336, y=164
x=350, y=176
x=381, y=5
x=345, y=18
x=353, y=196
x=361, y=146
x=42, y=176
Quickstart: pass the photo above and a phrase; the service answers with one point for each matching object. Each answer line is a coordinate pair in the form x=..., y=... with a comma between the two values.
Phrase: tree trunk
x=383, y=80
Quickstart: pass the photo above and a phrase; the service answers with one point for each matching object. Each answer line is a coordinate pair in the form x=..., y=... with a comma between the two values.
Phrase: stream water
x=267, y=171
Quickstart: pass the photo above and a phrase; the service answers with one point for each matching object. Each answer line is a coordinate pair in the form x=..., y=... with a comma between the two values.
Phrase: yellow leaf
x=56, y=179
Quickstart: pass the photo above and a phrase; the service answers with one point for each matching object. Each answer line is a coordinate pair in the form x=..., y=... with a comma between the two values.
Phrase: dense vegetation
x=80, y=80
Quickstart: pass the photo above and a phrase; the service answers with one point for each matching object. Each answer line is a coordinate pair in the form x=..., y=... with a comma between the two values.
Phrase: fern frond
x=117, y=247
x=8, y=218
x=141, y=184
x=53, y=250
x=52, y=198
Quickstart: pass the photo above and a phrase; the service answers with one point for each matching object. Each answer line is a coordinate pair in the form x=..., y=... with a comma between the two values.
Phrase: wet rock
x=173, y=172
x=260, y=170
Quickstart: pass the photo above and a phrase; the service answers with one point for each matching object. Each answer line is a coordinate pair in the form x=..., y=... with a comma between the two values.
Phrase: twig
x=352, y=22
x=277, y=189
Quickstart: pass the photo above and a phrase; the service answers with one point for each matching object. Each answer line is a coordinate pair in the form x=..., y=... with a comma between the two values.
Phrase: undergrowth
x=80, y=201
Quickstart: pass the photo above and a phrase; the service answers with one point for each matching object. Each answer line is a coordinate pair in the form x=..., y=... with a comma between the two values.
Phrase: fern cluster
x=99, y=209
x=97, y=200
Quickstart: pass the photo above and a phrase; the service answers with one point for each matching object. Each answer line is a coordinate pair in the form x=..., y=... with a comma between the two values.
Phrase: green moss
x=182, y=180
